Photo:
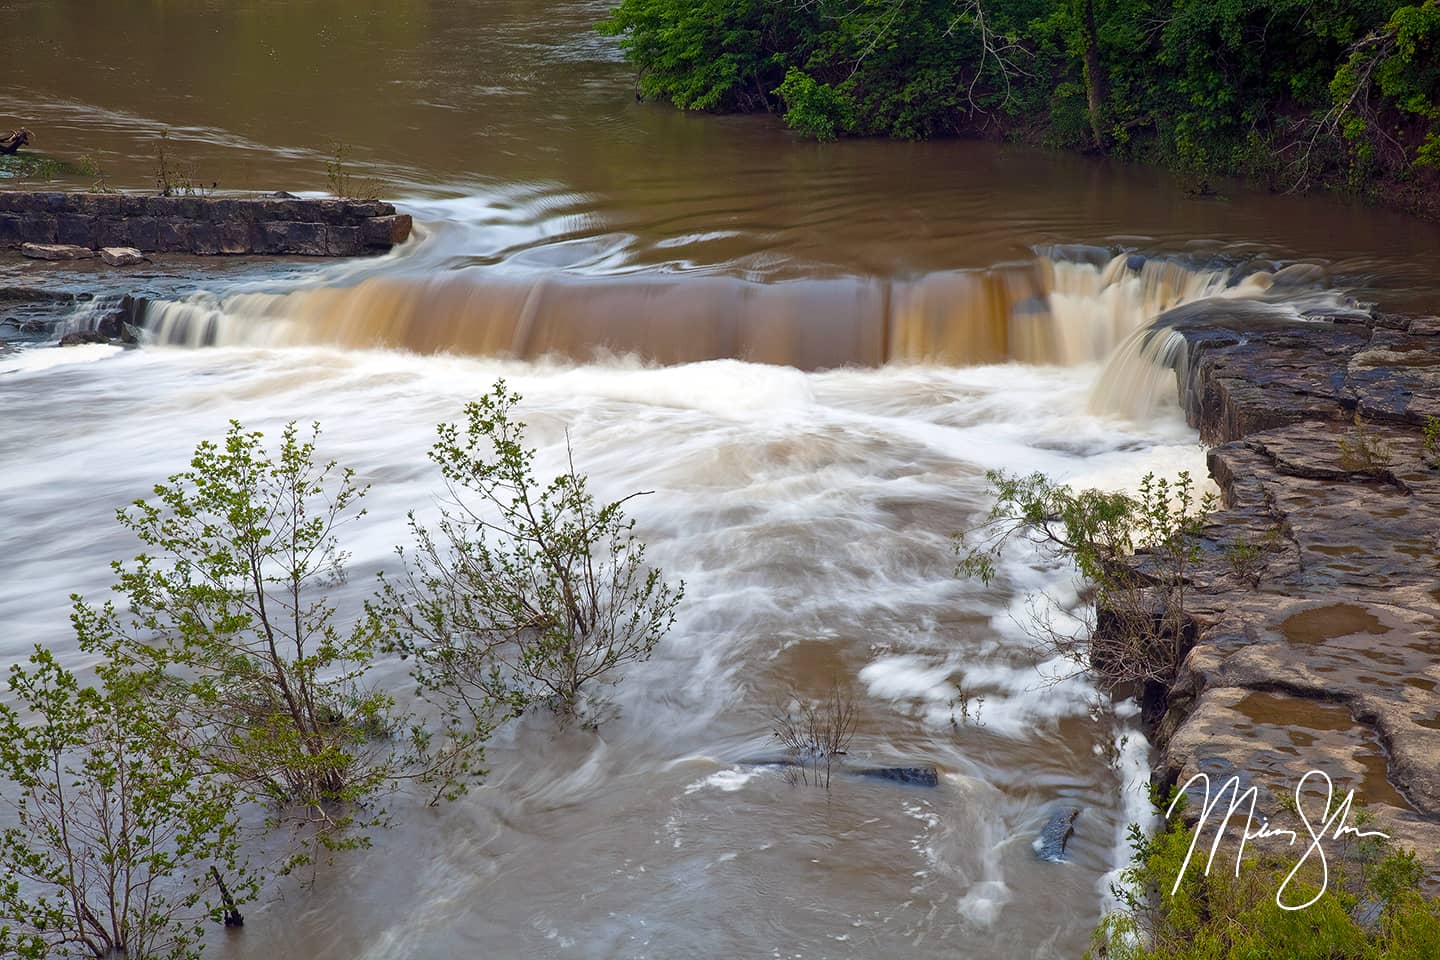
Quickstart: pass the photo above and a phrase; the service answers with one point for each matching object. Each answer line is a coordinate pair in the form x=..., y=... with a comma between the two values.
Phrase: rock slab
x=1317, y=593
x=122, y=256
x=55, y=251
x=204, y=226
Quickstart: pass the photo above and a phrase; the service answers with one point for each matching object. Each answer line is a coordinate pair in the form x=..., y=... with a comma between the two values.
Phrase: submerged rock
x=1055, y=836
x=770, y=762
x=910, y=776
x=920, y=776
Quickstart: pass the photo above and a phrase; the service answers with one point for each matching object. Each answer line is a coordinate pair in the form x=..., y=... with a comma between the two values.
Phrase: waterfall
x=1064, y=307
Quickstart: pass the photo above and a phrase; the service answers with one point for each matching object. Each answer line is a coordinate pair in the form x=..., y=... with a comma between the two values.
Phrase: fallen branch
x=14, y=140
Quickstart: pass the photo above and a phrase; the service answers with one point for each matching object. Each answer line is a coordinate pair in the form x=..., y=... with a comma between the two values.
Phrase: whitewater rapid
x=811, y=516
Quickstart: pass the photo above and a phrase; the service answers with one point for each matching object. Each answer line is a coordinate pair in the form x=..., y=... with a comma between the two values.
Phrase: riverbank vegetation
x=1133, y=626
x=1345, y=96
x=1372, y=907
x=235, y=709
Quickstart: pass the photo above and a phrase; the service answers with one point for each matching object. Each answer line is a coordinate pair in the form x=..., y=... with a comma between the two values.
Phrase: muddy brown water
x=810, y=353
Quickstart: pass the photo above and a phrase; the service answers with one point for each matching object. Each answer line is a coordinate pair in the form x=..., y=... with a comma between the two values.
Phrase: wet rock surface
x=1318, y=590
x=1055, y=835
x=910, y=776
x=41, y=300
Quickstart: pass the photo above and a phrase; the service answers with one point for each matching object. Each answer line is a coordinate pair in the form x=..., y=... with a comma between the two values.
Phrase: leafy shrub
x=1430, y=441
x=123, y=830
x=526, y=592
x=1363, y=452
x=713, y=55
x=231, y=617
x=177, y=178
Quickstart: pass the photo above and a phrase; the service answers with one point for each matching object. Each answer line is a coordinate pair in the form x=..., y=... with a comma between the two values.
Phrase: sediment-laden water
x=809, y=354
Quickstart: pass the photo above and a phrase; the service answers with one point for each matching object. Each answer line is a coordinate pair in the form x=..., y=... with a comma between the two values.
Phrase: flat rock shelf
x=1324, y=650
x=205, y=226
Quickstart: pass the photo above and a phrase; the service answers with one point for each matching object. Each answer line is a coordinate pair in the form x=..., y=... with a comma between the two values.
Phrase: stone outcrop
x=205, y=226
x=55, y=251
x=1317, y=600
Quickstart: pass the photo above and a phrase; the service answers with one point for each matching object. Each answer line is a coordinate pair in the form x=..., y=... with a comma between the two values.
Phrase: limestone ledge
x=205, y=226
x=1325, y=653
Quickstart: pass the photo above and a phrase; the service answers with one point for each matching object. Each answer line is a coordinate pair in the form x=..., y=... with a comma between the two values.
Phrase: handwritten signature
x=1332, y=825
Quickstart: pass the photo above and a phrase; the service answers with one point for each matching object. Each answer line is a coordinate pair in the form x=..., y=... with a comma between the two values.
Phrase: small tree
x=122, y=827
x=525, y=592
x=232, y=614
x=1135, y=555
x=346, y=185
x=815, y=734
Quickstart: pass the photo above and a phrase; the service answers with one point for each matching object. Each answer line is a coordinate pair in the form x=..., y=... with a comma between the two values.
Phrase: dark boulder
x=1055, y=836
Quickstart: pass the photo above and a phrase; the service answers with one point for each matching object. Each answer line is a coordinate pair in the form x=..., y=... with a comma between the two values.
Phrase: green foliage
x=1208, y=86
x=1247, y=561
x=121, y=824
x=815, y=109
x=525, y=592
x=1388, y=83
x=717, y=55
x=1222, y=916
x=1133, y=554
x=1430, y=441
x=230, y=614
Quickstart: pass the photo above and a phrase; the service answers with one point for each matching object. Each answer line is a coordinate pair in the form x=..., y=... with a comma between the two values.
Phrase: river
x=810, y=354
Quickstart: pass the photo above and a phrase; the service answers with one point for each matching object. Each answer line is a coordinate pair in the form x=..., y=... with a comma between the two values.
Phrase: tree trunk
x=1094, y=72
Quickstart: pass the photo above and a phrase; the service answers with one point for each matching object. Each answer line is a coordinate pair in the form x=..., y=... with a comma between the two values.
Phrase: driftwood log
x=14, y=140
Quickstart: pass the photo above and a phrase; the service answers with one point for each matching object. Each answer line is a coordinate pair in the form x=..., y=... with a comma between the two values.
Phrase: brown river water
x=810, y=353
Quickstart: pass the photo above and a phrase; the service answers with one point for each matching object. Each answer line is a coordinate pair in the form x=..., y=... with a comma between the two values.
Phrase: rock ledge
x=206, y=226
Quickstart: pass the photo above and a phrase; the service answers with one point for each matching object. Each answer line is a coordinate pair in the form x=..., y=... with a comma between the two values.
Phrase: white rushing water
x=810, y=515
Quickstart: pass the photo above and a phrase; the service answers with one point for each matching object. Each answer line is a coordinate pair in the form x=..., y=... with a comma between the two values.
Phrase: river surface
x=809, y=353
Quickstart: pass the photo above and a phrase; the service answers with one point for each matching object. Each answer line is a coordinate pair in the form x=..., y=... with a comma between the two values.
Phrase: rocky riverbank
x=1317, y=600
